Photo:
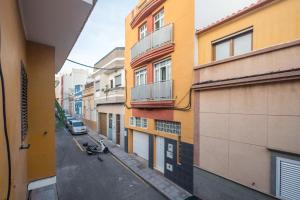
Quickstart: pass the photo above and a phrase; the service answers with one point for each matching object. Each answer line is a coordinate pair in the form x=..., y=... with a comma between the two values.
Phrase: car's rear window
x=76, y=124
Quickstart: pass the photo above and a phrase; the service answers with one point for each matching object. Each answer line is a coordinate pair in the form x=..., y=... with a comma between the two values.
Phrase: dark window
x=24, y=105
x=111, y=83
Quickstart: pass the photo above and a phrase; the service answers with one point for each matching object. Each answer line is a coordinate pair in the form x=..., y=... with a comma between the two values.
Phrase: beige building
x=89, y=108
x=247, y=98
x=109, y=83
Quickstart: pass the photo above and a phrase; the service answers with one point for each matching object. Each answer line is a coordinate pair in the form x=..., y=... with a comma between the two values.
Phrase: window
x=97, y=86
x=287, y=178
x=168, y=126
x=162, y=71
x=111, y=83
x=143, y=31
x=141, y=77
x=159, y=20
x=24, y=105
x=144, y=123
x=235, y=45
x=118, y=81
x=138, y=122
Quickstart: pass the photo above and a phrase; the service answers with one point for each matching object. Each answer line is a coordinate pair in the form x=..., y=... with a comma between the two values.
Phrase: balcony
x=161, y=91
x=156, y=44
x=113, y=96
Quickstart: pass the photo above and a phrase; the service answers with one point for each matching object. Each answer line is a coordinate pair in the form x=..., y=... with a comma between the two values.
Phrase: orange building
x=35, y=39
x=159, y=57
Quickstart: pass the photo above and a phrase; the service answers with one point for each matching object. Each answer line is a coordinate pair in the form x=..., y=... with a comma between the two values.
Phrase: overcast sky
x=104, y=30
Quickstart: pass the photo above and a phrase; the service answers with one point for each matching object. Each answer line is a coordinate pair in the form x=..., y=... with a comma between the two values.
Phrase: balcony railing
x=153, y=92
x=153, y=40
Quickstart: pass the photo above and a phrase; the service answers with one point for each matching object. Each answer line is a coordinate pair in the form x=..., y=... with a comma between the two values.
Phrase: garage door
x=141, y=144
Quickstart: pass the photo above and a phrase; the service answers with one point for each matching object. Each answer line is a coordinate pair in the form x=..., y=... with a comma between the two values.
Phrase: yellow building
x=35, y=39
x=159, y=60
x=247, y=139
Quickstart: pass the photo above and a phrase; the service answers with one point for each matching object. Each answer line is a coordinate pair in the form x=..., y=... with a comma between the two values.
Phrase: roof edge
x=234, y=15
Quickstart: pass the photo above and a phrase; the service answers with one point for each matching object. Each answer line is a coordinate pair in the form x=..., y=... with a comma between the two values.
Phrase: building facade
x=109, y=83
x=30, y=55
x=247, y=104
x=89, y=107
x=70, y=82
x=78, y=100
x=159, y=60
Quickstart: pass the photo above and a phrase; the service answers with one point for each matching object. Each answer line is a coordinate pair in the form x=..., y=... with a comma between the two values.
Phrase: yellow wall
x=12, y=53
x=41, y=96
x=182, y=61
x=273, y=24
x=39, y=161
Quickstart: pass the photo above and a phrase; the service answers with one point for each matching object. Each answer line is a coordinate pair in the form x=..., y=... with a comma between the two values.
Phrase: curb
x=127, y=167
x=131, y=170
x=146, y=181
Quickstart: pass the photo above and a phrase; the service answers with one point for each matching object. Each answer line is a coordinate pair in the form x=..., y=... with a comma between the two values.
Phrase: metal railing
x=153, y=92
x=153, y=40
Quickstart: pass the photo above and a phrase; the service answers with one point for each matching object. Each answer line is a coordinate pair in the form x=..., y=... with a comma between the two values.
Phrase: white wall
x=209, y=11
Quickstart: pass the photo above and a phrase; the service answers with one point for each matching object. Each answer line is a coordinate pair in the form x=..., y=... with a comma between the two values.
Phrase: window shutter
x=24, y=105
x=288, y=179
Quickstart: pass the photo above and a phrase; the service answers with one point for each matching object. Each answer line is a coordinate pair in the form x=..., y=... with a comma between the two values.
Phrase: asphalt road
x=84, y=177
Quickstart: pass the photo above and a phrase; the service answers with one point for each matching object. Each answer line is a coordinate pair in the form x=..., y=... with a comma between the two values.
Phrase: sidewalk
x=136, y=165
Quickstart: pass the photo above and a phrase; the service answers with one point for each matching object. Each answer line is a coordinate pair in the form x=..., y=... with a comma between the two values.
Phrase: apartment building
x=247, y=104
x=159, y=60
x=89, y=107
x=31, y=52
x=109, y=83
x=71, y=81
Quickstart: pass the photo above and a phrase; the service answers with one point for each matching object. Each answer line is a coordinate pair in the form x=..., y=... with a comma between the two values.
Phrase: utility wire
x=6, y=133
x=88, y=66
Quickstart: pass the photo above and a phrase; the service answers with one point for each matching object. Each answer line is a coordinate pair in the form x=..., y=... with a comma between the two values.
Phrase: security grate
x=24, y=105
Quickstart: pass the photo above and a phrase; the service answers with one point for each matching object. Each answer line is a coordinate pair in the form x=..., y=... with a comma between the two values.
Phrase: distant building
x=69, y=81
x=89, y=107
x=78, y=99
x=109, y=83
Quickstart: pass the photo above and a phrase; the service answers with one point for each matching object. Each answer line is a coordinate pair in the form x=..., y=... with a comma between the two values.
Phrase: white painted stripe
x=42, y=183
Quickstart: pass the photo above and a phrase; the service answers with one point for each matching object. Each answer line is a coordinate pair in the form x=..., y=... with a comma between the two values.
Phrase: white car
x=78, y=128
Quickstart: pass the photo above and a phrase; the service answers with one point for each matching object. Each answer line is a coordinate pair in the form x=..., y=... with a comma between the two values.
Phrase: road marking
x=78, y=145
x=126, y=167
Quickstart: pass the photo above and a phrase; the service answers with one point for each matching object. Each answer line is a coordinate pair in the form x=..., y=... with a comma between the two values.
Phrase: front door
x=110, y=126
x=160, y=154
x=118, y=129
x=103, y=124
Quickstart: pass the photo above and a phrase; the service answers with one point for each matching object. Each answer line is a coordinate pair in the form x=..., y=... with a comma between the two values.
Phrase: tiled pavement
x=139, y=167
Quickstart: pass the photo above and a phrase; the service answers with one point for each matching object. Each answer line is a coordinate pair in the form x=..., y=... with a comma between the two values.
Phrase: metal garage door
x=141, y=144
x=287, y=179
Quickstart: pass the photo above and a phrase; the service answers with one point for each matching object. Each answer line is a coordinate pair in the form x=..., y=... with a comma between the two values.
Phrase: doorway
x=118, y=129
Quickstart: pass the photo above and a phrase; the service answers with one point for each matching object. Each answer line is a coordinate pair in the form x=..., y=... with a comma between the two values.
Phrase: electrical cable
x=6, y=133
x=88, y=66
